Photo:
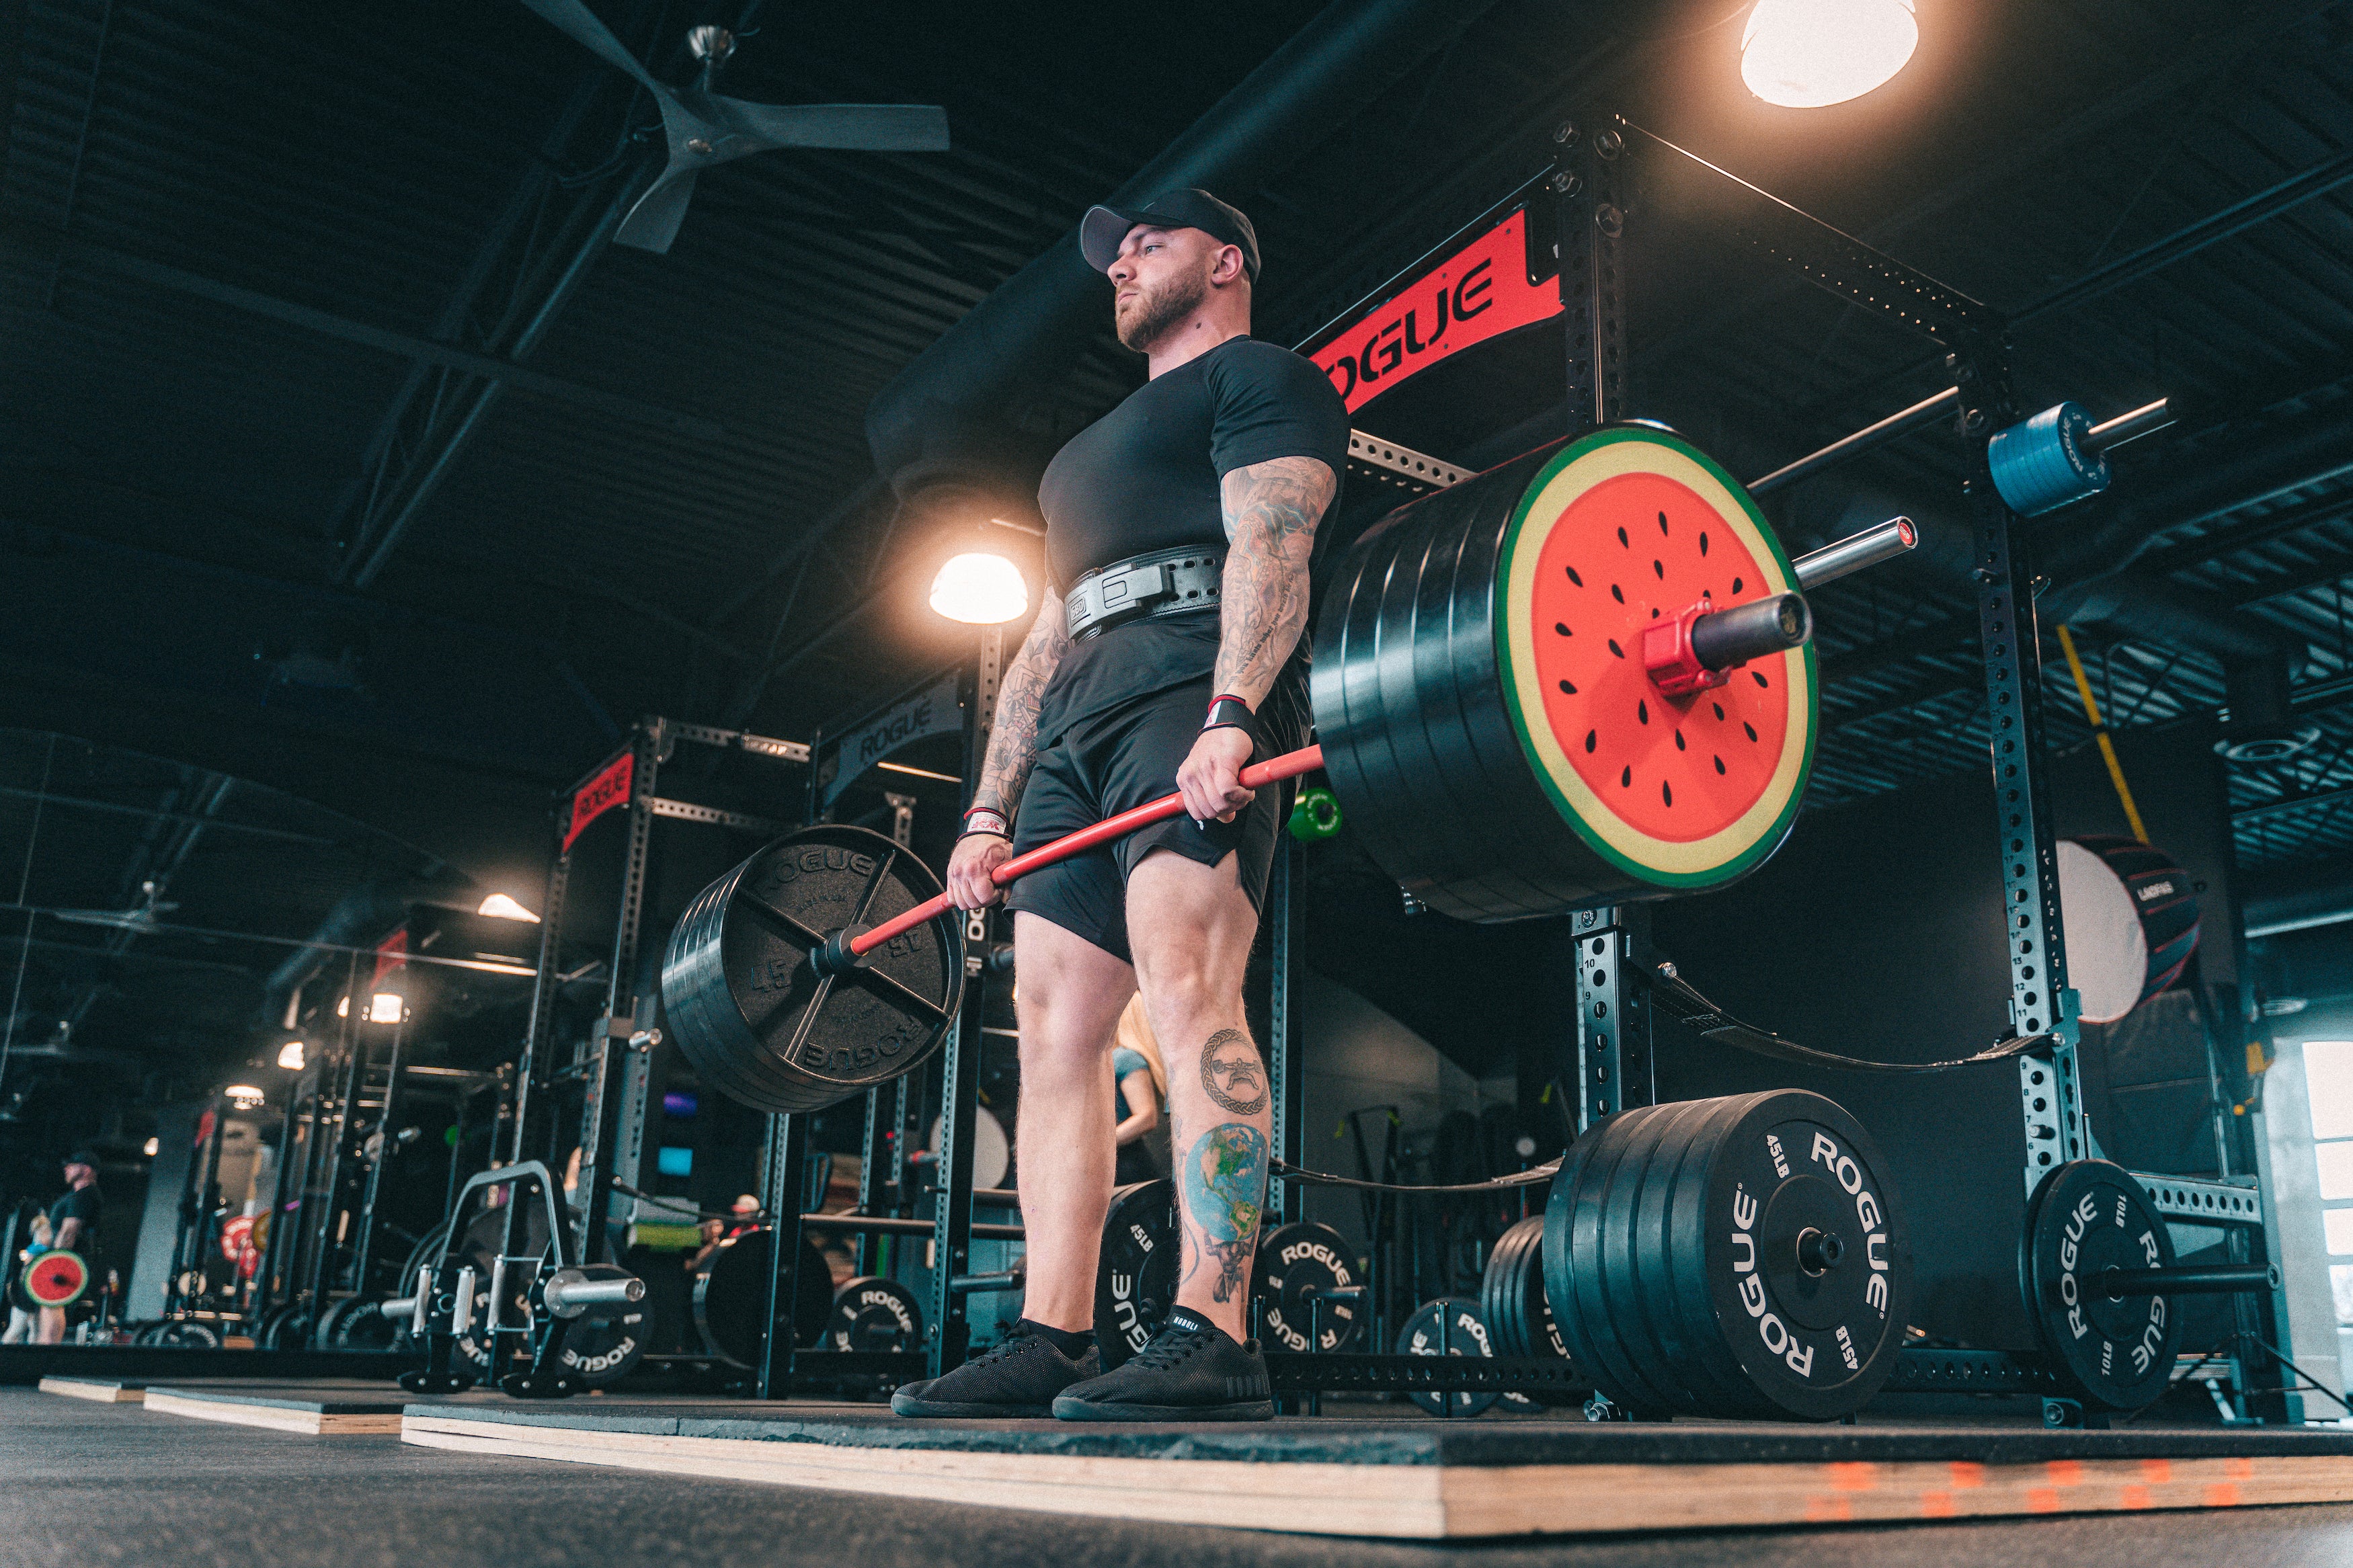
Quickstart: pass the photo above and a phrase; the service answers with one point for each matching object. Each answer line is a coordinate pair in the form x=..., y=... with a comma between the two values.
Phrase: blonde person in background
x=1140, y=1086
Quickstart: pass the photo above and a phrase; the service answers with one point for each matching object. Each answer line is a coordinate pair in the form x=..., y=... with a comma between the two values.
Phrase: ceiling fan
x=705, y=129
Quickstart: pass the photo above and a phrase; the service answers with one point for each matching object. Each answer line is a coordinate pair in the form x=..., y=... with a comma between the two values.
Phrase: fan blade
x=572, y=17
x=863, y=127
x=653, y=223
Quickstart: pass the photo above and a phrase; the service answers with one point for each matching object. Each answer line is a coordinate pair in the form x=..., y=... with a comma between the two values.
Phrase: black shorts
x=1115, y=760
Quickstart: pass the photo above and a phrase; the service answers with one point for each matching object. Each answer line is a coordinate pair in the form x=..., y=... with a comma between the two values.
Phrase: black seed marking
x=1750, y=727
x=1618, y=593
x=1666, y=792
x=1654, y=615
x=1626, y=778
x=1719, y=764
x=1660, y=567
x=1642, y=711
x=1702, y=542
x=1735, y=585
x=1679, y=742
x=1566, y=687
x=1719, y=712
x=1562, y=627
x=1590, y=737
x=1574, y=578
x=1621, y=538
x=1615, y=648
x=1753, y=675
x=1663, y=522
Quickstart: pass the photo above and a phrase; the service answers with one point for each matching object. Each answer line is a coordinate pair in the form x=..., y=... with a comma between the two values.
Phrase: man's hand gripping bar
x=841, y=951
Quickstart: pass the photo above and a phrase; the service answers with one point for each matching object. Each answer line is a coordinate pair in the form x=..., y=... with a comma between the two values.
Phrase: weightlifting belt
x=1162, y=583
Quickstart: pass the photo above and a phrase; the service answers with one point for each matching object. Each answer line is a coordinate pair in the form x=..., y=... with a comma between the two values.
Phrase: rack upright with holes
x=1582, y=199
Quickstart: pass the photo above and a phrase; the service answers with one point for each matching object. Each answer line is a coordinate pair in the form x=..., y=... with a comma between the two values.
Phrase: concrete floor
x=89, y=1484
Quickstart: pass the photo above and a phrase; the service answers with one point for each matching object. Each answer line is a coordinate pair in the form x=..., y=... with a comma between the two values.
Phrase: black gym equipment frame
x=1609, y=1063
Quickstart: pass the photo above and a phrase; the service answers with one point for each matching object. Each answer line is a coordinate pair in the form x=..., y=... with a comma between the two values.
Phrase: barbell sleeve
x=2140, y=421
x=982, y=1284
x=423, y=1304
x=2215, y=1280
x=1924, y=412
x=570, y=1292
x=839, y=954
x=1880, y=542
x=1753, y=630
x=461, y=1315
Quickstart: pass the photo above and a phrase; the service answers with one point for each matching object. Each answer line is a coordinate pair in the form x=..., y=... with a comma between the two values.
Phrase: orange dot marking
x=2065, y=1472
x=1855, y=1476
x=1937, y=1505
x=1967, y=1473
x=2222, y=1494
x=2156, y=1472
x=1828, y=1510
x=2042, y=1499
x=2239, y=1469
x=2136, y=1497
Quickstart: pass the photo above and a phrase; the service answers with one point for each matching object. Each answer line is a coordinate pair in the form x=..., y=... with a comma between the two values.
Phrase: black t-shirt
x=1145, y=477
x=81, y=1203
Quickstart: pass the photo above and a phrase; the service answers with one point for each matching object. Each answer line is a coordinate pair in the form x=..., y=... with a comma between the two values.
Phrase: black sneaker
x=1191, y=1371
x=1018, y=1376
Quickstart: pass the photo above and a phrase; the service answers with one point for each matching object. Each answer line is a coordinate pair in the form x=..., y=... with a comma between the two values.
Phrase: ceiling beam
x=490, y=367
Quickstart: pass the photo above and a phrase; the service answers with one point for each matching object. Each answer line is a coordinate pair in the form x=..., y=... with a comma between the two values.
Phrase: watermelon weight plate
x=1486, y=716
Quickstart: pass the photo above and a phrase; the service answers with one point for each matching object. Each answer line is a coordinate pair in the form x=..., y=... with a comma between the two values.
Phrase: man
x=1182, y=526
x=73, y=1226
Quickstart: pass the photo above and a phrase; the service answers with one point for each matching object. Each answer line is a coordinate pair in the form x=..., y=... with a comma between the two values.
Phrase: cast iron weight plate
x=748, y=1010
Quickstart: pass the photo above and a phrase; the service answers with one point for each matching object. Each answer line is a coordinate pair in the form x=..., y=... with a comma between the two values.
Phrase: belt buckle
x=1115, y=604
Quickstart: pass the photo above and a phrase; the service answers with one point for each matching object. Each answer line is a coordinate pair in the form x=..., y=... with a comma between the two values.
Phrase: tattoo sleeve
x=1272, y=510
x=1013, y=735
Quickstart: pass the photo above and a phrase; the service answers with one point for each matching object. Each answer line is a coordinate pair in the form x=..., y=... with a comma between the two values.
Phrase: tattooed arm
x=1272, y=510
x=1012, y=752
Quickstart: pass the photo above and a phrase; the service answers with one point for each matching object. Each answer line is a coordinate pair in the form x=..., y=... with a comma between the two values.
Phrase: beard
x=1146, y=319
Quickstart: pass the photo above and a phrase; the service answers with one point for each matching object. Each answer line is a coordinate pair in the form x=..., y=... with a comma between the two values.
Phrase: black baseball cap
x=83, y=1157
x=1103, y=229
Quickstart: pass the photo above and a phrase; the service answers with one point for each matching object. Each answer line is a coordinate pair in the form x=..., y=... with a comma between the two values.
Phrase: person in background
x=34, y=1230
x=74, y=1220
x=746, y=1210
x=1140, y=1087
x=714, y=1231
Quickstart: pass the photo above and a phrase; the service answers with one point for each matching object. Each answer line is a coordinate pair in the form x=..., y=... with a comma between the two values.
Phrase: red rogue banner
x=599, y=796
x=1480, y=292
x=390, y=954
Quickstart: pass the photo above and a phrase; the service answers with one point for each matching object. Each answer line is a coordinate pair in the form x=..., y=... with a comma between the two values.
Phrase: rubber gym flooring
x=96, y=1484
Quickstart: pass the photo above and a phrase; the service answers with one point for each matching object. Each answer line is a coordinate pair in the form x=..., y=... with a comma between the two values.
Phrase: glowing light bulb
x=980, y=588
x=1806, y=54
x=289, y=1055
x=244, y=1096
x=505, y=909
x=385, y=1007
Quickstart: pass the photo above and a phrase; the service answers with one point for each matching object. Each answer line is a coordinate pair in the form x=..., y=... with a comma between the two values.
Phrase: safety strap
x=1676, y=997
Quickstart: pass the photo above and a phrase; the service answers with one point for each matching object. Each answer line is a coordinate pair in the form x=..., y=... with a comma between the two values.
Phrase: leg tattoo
x=1230, y=1073
x=1225, y=1189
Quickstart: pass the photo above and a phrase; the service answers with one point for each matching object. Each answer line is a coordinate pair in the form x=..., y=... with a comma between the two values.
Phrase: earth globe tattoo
x=1225, y=1187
